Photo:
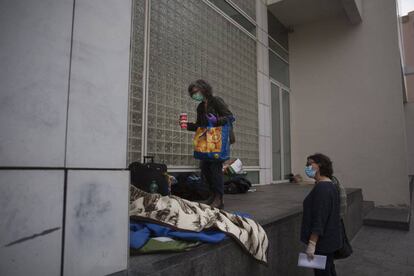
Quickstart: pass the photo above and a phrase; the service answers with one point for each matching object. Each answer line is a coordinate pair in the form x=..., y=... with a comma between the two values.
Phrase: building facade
x=407, y=29
x=407, y=43
x=90, y=86
x=347, y=95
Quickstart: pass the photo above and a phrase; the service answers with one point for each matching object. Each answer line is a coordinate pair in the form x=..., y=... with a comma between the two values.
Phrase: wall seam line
x=69, y=80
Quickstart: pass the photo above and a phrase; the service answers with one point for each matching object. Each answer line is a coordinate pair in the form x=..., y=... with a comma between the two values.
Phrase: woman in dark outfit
x=321, y=219
x=214, y=110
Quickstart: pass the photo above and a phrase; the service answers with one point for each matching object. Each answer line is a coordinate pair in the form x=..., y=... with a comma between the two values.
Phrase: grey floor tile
x=380, y=252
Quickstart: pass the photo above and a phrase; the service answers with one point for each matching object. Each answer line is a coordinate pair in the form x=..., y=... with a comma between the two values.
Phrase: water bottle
x=153, y=188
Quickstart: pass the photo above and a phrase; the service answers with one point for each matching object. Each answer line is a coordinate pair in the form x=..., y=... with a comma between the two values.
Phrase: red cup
x=183, y=120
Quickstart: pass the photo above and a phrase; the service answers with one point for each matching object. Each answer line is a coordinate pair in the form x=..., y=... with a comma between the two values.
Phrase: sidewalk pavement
x=380, y=252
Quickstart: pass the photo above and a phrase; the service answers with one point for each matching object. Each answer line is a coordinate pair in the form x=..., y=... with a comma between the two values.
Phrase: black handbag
x=346, y=250
x=149, y=176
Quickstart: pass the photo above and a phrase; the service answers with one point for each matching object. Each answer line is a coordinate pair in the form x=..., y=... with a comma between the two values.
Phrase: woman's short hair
x=204, y=87
x=324, y=163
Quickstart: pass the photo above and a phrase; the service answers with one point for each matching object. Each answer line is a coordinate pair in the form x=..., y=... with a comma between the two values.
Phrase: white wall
x=409, y=121
x=347, y=101
x=64, y=106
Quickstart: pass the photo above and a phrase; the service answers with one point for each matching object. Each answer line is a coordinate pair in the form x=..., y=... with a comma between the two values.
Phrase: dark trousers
x=213, y=173
x=330, y=266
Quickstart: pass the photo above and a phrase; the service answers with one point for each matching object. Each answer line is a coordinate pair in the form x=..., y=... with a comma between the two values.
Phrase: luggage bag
x=149, y=176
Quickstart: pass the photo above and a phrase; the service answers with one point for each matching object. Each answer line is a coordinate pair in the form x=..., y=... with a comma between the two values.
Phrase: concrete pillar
x=63, y=139
x=263, y=83
x=35, y=58
x=96, y=237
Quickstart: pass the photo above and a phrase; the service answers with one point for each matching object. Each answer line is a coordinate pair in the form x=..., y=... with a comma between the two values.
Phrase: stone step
x=388, y=217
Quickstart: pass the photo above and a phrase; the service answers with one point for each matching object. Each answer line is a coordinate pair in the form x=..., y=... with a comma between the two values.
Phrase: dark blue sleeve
x=321, y=208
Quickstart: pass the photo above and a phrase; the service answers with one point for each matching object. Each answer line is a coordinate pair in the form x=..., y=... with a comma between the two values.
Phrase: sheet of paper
x=318, y=261
x=163, y=239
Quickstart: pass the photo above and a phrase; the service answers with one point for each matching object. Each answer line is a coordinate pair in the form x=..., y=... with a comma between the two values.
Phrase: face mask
x=310, y=172
x=197, y=97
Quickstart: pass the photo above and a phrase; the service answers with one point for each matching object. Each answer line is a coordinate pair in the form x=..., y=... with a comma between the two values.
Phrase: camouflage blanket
x=185, y=215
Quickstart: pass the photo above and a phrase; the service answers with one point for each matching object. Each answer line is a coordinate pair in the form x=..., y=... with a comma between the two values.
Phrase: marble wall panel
x=31, y=211
x=98, y=97
x=96, y=237
x=34, y=58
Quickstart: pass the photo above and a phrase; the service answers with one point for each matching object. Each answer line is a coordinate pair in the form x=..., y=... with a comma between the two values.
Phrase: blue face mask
x=197, y=97
x=310, y=172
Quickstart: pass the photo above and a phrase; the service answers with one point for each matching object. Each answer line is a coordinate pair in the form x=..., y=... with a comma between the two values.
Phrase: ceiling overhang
x=298, y=12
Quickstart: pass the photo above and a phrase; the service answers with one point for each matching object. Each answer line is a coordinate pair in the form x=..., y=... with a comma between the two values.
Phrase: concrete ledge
x=367, y=207
x=353, y=217
x=395, y=218
x=279, y=209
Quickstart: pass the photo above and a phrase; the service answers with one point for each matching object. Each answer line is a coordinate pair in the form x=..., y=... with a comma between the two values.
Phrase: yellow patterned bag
x=212, y=143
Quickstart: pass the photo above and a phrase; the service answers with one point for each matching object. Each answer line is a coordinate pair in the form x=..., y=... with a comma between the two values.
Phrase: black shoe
x=217, y=201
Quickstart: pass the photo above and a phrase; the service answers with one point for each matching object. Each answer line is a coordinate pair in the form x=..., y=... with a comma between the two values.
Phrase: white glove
x=310, y=250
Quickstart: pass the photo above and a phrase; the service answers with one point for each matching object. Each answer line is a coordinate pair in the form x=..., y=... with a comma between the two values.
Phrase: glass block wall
x=248, y=6
x=135, y=98
x=188, y=41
